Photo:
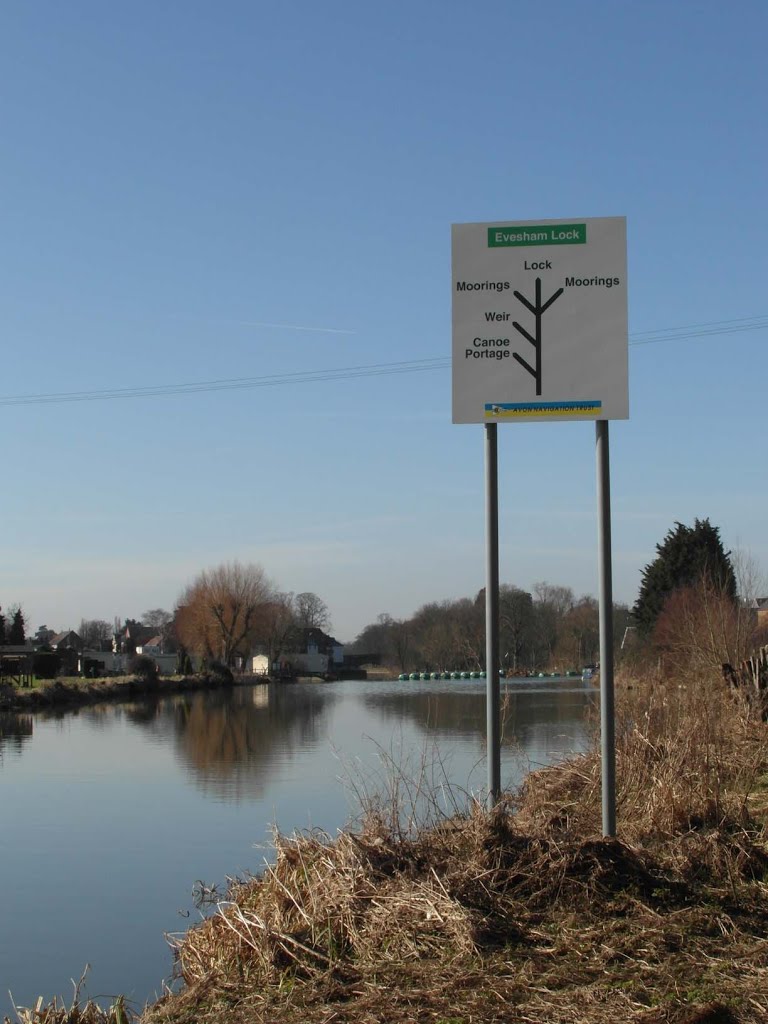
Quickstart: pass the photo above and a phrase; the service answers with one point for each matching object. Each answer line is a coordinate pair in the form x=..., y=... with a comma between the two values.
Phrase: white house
x=312, y=653
x=151, y=647
x=260, y=665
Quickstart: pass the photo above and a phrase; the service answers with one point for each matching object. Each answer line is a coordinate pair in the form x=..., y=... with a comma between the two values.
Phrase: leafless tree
x=311, y=611
x=221, y=613
x=401, y=642
x=278, y=626
x=161, y=623
x=701, y=627
x=515, y=626
x=96, y=634
x=388, y=641
x=551, y=603
x=157, y=619
x=579, y=636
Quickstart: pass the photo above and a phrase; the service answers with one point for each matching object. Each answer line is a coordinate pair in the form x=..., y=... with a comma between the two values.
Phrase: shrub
x=145, y=668
x=220, y=673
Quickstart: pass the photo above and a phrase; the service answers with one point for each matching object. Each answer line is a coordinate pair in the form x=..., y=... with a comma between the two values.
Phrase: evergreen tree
x=16, y=632
x=2, y=627
x=686, y=556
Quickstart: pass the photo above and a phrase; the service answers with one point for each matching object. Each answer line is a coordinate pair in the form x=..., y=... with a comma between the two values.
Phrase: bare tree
x=161, y=623
x=311, y=611
x=701, y=627
x=221, y=613
x=449, y=634
x=550, y=606
x=579, y=639
x=278, y=626
x=401, y=642
x=377, y=641
x=515, y=624
x=96, y=634
x=157, y=619
x=559, y=599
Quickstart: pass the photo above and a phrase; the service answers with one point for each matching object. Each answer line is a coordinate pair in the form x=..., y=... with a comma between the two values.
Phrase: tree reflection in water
x=527, y=710
x=15, y=730
x=231, y=740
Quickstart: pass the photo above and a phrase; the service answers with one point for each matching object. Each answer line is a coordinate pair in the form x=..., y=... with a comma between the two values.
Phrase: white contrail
x=293, y=327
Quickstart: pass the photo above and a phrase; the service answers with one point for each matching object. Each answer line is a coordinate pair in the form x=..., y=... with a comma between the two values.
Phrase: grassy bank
x=78, y=692
x=526, y=916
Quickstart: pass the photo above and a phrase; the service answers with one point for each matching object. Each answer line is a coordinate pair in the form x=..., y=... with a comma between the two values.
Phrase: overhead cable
x=657, y=337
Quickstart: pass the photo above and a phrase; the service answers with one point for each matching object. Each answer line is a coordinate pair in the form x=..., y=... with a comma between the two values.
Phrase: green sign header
x=545, y=234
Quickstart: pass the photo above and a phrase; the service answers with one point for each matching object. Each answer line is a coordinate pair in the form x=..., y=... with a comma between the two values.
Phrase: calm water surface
x=110, y=815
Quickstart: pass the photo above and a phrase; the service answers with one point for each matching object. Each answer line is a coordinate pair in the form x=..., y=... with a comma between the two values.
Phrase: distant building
x=312, y=652
x=16, y=663
x=152, y=646
x=260, y=665
x=760, y=608
x=69, y=641
x=316, y=648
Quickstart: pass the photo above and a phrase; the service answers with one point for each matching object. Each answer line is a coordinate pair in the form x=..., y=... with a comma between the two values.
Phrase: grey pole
x=607, y=718
x=493, y=727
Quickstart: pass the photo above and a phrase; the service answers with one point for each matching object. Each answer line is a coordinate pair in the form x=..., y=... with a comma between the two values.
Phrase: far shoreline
x=75, y=693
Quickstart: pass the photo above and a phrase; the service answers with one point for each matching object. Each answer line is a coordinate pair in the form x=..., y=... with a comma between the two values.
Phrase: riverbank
x=523, y=914
x=75, y=693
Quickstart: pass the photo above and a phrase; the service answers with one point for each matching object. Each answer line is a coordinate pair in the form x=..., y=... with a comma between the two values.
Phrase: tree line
x=222, y=615
x=695, y=607
x=546, y=628
x=695, y=610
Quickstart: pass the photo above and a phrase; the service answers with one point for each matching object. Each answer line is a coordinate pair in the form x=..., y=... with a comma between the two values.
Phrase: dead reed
x=687, y=755
x=78, y=1012
x=88, y=1013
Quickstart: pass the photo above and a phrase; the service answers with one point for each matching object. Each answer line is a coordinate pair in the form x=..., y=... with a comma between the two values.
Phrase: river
x=113, y=814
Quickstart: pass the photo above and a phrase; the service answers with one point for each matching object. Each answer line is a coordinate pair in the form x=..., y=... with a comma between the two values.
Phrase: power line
x=706, y=323
x=705, y=330
x=229, y=384
x=662, y=335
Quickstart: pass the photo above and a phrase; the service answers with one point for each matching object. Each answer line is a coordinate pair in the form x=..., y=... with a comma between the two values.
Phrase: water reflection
x=528, y=710
x=15, y=730
x=230, y=741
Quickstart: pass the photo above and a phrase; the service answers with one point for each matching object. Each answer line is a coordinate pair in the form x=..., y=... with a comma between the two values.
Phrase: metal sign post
x=492, y=685
x=607, y=724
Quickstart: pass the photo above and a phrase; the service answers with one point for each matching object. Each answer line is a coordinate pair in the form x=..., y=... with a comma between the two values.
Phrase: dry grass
x=467, y=922
x=522, y=914
x=56, y=1012
x=70, y=692
x=686, y=755
x=89, y=1013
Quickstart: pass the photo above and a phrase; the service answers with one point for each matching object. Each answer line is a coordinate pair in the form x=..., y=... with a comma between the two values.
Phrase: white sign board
x=540, y=320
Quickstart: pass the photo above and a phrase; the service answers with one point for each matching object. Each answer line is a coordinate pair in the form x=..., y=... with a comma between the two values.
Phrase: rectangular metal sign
x=540, y=320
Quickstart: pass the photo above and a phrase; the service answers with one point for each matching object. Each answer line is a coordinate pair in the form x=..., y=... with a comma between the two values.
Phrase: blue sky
x=178, y=177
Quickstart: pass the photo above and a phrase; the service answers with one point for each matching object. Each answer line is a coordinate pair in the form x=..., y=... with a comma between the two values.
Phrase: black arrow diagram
x=538, y=310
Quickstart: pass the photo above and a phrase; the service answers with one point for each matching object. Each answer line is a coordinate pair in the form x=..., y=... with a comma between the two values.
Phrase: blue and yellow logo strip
x=539, y=410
